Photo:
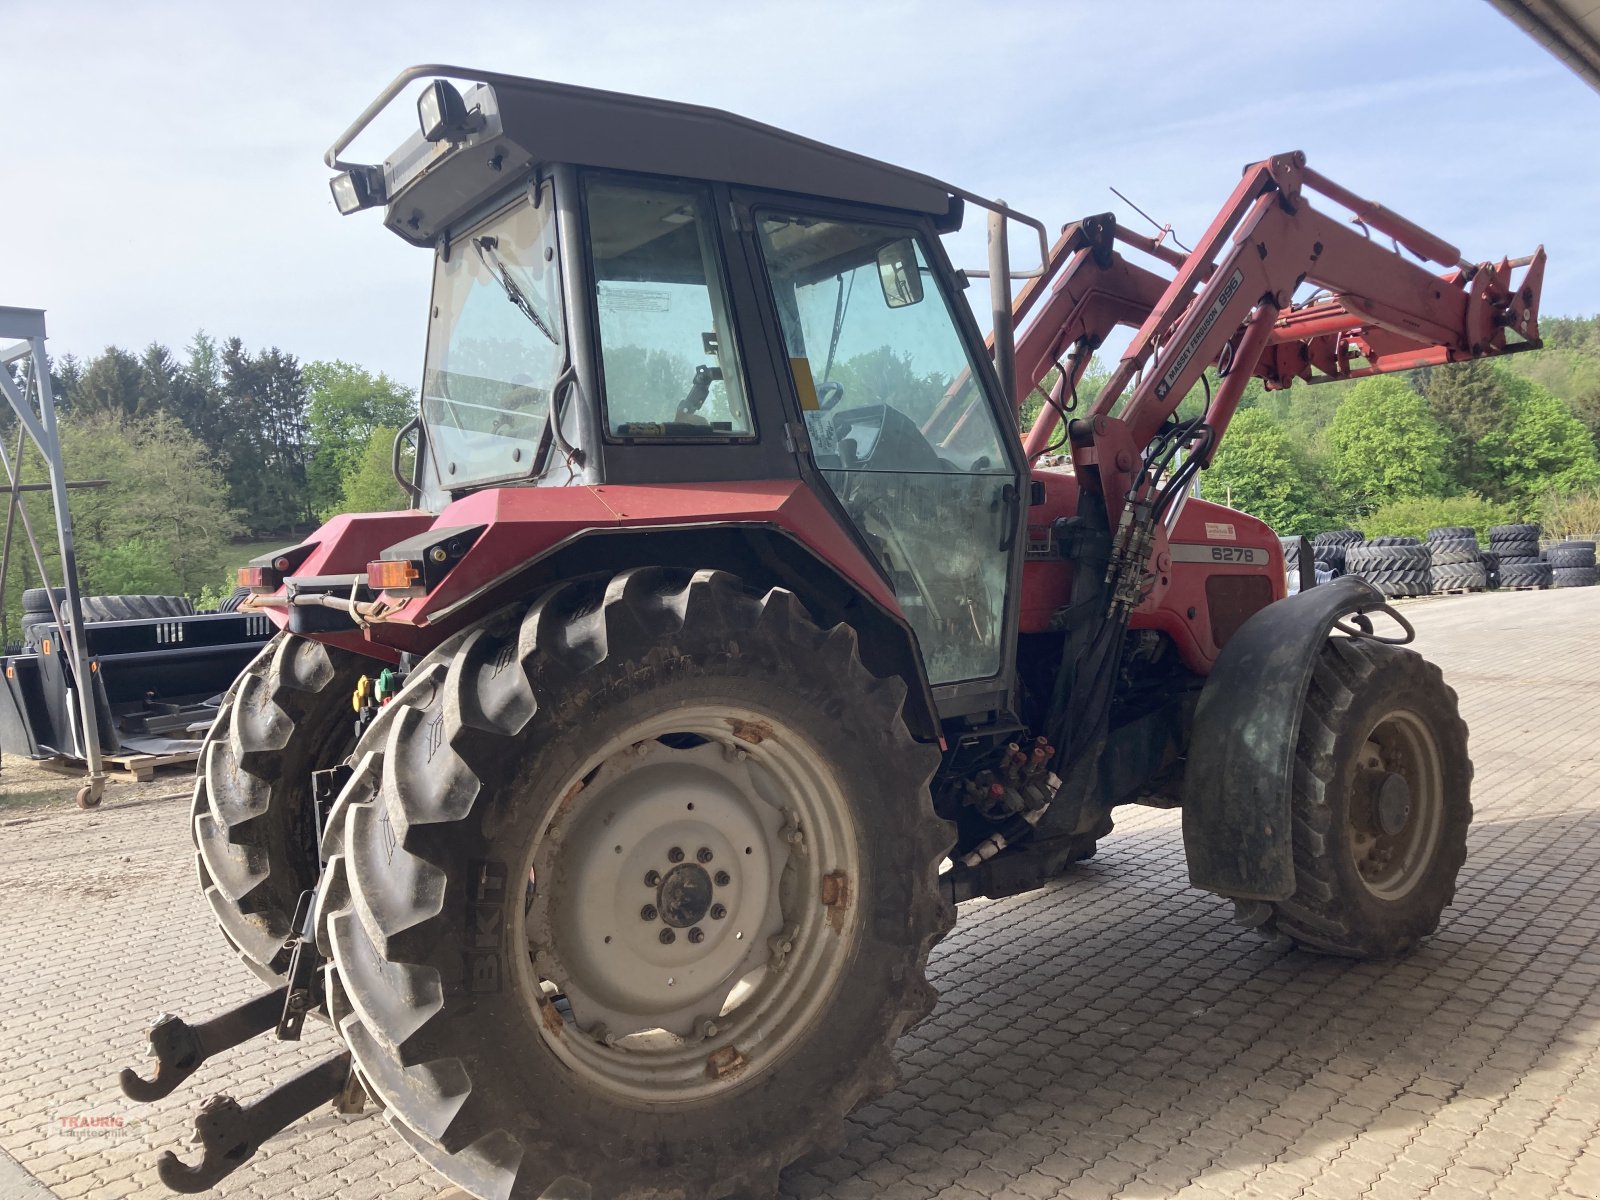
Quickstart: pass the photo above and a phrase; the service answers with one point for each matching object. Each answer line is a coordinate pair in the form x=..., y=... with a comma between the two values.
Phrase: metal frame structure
x=33, y=402
x=1569, y=29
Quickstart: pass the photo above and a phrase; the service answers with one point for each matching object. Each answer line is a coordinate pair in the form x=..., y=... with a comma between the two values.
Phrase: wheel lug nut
x=704, y=854
x=697, y=935
x=718, y=912
x=675, y=855
x=648, y=913
x=652, y=878
x=723, y=879
x=668, y=937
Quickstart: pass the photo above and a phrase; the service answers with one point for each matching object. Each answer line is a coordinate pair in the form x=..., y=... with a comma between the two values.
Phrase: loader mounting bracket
x=1237, y=831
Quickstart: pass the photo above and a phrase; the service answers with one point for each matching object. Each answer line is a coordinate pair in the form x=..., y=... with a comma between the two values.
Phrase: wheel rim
x=689, y=904
x=1396, y=809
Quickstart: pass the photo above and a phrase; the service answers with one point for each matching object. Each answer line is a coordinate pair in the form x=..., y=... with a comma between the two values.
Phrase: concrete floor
x=1112, y=1035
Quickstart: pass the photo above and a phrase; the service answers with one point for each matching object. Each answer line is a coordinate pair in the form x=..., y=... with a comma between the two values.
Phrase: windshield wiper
x=485, y=246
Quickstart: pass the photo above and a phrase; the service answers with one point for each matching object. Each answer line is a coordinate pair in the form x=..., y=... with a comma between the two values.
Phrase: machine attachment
x=179, y=1047
x=230, y=1133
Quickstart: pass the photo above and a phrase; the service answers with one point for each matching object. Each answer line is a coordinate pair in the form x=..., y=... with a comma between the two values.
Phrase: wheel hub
x=662, y=892
x=685, y=895
x=1396, y=811
x=1393, y=803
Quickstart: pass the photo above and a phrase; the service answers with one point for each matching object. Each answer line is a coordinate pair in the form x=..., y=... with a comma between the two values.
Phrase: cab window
x=900, y=425
x=667, y=354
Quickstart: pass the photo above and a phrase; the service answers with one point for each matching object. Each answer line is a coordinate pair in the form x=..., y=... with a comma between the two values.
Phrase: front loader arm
x=1230, y=304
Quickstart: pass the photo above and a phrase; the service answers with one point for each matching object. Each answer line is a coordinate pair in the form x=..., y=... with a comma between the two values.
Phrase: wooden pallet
x=139, y=768
x=1459, y=591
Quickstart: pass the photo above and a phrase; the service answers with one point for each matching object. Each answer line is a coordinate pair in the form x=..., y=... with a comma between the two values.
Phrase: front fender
x=1237, y=831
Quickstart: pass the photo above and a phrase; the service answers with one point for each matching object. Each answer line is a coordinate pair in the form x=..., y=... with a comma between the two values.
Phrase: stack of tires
x=1396, y=566
x=37, y=614
x=1491, y=569
x=1297, y=554
x=1457, y=561
x=1572, y=564
x=1329, y=549
x=1521, y=565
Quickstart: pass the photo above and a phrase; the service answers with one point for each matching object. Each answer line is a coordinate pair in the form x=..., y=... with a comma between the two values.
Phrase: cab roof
x=524, y=122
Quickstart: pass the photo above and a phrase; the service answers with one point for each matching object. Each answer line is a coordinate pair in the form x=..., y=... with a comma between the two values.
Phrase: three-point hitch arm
x=1231, y=304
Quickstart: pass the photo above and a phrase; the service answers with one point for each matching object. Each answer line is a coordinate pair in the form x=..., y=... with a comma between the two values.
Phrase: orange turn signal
x=392, y=574
x=259, y=579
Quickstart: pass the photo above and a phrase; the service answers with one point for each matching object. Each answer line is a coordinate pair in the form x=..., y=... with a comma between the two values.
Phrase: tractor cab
x=633, y=292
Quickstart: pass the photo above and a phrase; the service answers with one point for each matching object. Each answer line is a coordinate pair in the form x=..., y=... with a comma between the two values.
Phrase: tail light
x=394, y=575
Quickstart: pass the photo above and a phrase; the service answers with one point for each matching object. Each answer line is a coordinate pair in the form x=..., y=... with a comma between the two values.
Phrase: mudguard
x=1236, y=816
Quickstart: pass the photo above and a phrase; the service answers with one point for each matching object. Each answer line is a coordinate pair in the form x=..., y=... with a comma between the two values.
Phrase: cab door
x=902, y=413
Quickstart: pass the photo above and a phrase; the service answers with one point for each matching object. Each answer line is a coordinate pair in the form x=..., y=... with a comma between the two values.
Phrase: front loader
x=609, y=801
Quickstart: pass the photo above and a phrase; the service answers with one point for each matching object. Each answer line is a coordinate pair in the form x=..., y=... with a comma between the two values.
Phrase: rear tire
x=1375, y=859
x=287, y=714
x=529, y=748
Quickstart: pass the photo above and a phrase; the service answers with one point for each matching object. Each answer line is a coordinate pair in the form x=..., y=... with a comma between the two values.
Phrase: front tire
x=634, y=892
x=286, y=715
x=1381, y=803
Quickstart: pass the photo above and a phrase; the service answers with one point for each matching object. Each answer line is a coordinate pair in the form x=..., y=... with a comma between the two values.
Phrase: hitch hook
x=179, y=1047
x=230, y=1133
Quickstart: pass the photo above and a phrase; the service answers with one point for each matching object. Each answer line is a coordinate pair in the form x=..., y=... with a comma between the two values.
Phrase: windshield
x=496, y=345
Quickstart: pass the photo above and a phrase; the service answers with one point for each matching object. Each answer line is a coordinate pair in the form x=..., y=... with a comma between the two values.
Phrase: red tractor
x=609, y=802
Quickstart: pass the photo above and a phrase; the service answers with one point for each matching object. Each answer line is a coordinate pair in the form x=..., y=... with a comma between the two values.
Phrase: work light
x=443, y=114
x=357, y=188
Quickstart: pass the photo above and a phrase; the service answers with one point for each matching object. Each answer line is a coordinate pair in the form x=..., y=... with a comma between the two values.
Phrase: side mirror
x=899, y=274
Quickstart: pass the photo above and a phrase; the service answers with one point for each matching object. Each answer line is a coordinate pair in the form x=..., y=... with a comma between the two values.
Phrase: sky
x=163, y=169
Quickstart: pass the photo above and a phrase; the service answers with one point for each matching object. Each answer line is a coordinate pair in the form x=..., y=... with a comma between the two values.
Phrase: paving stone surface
x=1110, y=1036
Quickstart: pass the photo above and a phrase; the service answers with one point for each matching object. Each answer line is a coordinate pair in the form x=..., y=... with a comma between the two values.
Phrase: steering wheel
x=828, y=395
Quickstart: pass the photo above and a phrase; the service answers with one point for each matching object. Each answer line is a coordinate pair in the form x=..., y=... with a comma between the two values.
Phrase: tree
x=1260, y=470
x=369, y=485
x=1546, y=447
x=347, y=404
x=113, y=383
x=1384, y=445
x=265, y=438
x=163, y=521
x=1472, y=404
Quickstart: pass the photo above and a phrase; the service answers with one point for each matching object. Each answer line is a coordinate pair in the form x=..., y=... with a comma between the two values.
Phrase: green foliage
x=347, y=403
x=1472, y=403
x=137, y=567
x=165, y=507
x=1571, y=514
x=369, y=485
x=1384, y=445
x=159, y=525
x=1544, y=448
x=1260, y=470
x=211, y=596
x=1414, y=517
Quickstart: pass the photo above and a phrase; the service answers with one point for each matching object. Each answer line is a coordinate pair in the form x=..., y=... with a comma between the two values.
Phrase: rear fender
x=773, y=533
x=1237, y=831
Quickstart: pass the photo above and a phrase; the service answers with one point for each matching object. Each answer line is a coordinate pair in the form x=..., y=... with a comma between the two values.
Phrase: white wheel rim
x=664, y=1000
x=1391, y=861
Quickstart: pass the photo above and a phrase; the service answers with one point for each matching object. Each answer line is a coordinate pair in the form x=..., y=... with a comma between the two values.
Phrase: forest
x=217, y=453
